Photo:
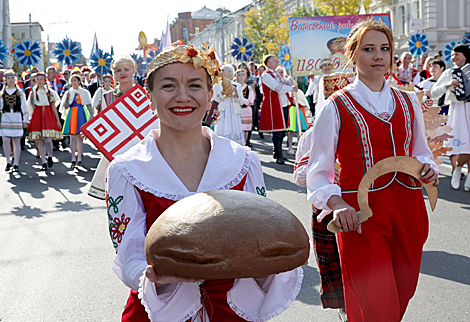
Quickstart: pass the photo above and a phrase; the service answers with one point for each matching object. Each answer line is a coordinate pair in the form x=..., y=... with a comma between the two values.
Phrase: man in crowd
x=275, y=108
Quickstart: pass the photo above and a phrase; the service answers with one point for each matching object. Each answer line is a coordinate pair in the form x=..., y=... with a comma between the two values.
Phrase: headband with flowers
x=189, y=54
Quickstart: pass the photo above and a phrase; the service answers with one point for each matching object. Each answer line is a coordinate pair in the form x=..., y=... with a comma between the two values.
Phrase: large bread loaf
x=226, y=234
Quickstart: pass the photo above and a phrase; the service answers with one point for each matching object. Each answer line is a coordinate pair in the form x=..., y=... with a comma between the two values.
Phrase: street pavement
x=56, y=254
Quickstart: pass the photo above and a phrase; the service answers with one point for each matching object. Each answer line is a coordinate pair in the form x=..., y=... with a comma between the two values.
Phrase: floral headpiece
x=189, y=54
x=9, y=73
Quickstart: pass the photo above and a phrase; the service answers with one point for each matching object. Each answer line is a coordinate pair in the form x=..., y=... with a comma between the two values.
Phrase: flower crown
x=189, y=54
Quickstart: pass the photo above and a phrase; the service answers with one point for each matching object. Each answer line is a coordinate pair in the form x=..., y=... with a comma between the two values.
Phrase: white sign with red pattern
x=122, y=124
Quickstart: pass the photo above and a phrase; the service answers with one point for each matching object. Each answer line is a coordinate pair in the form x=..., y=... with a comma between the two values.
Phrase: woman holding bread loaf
x=174, y=162
x=363, y=123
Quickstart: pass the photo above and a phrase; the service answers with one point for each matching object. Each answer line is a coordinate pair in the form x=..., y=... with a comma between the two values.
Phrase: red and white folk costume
x=135, y=199
x=43, y=122
x=275, y=89
x=359, y=127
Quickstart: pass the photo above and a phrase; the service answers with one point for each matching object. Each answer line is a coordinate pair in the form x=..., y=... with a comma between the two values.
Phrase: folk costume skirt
x=77, y=115
x=381, y=266
x=293, y=124
x=247, y=118
x=459, y=120
x=230, y=125
x=11, y=124
x=43, y=124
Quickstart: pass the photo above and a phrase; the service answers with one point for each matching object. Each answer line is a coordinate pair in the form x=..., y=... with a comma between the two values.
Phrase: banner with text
x=315, y=38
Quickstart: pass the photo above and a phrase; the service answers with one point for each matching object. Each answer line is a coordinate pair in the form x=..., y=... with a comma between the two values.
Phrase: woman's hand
x=428, y=174
x=453, y=83
x=160, y=280
x=344, y=215
x=58, y=124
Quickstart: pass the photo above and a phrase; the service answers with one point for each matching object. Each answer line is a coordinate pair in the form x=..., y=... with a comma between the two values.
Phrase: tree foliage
x=302, y=11
x=340, y=7
x=267, y=28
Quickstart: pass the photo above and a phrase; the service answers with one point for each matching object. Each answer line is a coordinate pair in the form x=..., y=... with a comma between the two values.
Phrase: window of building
x=416, y=10
x=401, y=20
x=23, y=35
x=453, y=13
x=196, y=30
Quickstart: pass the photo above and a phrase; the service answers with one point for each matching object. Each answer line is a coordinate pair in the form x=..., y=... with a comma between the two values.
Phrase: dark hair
x=76, y=76
x=266, y=59
x=440, y=63
x=464, y=49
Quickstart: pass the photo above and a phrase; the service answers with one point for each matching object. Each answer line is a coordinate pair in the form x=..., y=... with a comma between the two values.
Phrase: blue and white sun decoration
x=28, y=52
x=3, y=51
x=67, y=51
x=242, y=49
x=101, y=61
x=448, y=49
x=418, y=44
x=285, y=57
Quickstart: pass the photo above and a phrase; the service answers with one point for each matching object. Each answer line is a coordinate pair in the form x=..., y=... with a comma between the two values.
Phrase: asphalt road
x=56, y=254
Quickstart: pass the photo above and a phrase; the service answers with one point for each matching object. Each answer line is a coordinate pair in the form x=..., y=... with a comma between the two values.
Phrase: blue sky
x=115, y=23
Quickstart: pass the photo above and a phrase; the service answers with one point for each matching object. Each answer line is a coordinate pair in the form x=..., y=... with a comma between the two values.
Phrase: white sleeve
x=301, y=158
x=311, y=87
x=254, y=178
x=96, y=98
x=29, y=105
x=417, y=79
x=420, y=146
x=56, y=97
x=261, y=299
x=274, y=85
x=321, y=163
x=127, y=226
x=218, y=96
x=240, y=100
x=440, y=87
x=24, y=108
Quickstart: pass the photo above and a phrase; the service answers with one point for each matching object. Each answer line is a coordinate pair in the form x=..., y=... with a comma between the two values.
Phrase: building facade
x=222, y=32
x=32, y=31
x=189, y=25
x=441, y=20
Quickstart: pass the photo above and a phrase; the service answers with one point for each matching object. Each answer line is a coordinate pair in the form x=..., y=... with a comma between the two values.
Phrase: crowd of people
x=361, y=268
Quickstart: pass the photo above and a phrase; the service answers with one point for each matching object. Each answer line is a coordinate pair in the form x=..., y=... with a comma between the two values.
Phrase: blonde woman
x=230, y=125
x=14, y=118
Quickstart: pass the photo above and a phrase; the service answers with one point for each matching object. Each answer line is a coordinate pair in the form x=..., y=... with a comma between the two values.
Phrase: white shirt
x=226, y=167
x=43, y=99
x=313, y=85
x=321, y=169
x=279, y=84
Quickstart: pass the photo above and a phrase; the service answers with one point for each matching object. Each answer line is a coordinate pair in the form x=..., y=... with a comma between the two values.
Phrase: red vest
x=365, y=139
x=272, y=116
x=215, y=291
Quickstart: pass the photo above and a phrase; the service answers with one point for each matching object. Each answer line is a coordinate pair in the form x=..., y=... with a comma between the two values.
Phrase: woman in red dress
x=363, y=123
x=45, y=124
x=176, y=161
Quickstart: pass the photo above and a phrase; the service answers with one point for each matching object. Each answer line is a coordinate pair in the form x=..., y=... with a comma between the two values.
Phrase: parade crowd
x=369, y=272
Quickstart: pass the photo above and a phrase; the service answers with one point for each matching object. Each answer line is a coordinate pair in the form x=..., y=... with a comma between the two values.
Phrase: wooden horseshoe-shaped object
x=403, y=164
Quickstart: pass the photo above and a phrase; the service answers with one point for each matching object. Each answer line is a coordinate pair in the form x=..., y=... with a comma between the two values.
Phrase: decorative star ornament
x=285, y=57
x=27, y=52
x=67, y=51
x=101, y=61
x=242, y=49
x=418, y=44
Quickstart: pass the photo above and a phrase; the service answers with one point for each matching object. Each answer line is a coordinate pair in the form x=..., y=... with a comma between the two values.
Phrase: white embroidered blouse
x=143, y=167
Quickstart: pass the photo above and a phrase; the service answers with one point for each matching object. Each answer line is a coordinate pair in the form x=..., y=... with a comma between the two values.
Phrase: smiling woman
x=176, y=161
x=360, y=125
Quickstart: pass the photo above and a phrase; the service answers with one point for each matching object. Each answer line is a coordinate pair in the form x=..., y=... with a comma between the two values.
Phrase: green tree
x=340, y=7
x=224, y=10
x=268, y=28
x=302, y=11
